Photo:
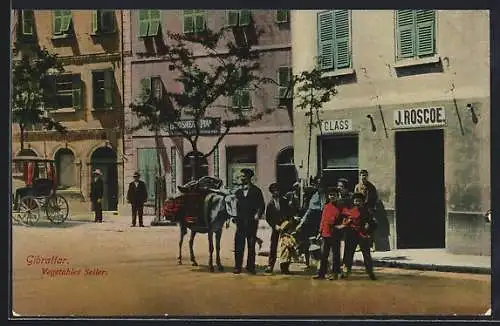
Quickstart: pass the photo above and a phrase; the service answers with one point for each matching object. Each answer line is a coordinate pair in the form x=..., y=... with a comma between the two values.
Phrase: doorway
x=420, y=195
x=286, y=173
x=104, y=158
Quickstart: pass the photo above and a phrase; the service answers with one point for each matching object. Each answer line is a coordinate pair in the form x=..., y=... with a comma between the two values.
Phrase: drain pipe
x=122, y=118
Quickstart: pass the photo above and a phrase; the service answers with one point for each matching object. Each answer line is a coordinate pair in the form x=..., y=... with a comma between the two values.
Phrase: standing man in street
x=250, y=208
x=137, y=195
x=368, y=190
x=96, y=194
x=277, y=211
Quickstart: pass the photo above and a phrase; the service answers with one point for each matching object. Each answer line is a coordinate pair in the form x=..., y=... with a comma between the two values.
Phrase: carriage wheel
x=29, y=210
x=57, y=209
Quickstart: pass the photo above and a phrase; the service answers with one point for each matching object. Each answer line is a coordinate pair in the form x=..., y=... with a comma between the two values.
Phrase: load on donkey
x=202, y=207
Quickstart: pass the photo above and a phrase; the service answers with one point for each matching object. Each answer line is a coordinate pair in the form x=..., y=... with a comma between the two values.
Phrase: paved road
x=117, y=270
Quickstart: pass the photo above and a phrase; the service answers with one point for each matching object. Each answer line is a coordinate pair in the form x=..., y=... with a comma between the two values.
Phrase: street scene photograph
x=250, y=162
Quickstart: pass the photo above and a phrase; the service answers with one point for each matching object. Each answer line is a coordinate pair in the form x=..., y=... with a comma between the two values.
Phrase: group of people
x=333, y=214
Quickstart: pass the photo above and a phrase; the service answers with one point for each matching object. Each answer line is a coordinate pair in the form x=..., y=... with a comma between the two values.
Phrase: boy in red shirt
x=331, y=237
x=357, y=232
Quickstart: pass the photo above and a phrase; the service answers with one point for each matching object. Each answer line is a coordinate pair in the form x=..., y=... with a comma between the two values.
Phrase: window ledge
x=64, y=110
x=61, y=37
x=98, y=34
x=339, y=72
x=101, y=109
x=416, y=62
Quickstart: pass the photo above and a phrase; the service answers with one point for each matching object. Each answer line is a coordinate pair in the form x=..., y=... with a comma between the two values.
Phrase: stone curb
x=428, y=267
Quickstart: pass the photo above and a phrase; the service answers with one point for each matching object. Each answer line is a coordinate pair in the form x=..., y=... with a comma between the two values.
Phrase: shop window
x=286, y=173
x=338, y=157
x=240, y=157
x=199, y=170
x=65, y=168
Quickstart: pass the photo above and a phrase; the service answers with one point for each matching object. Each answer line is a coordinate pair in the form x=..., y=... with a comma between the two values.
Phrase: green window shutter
x=282, y=16
x=342, y=58
x=57, y=23
x=95, y=21
x=27, y=19
x=245, y=101
x=107, y=21
x=109, y=88
x=77, y=92
x=154, y=22
x=245, y=17
x=143, y=23
x=284, y=74
x=188, y=26
x=146, y=165
x=232, y=18
x=405, y=33
x=425, y=32
x=146, y=87
x=65, y=21
x=199, y=21
x=325, y=39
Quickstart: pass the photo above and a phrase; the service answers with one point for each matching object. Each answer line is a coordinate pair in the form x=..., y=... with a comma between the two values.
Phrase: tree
x=32, y=89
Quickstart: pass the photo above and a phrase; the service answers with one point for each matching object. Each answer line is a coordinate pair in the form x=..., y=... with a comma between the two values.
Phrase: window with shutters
x=149, y=23
x=241, y=98
x=26, y=24
x=334, y=45
x=68, y=92
x=235, y=18
x=103, y=22
x=152, y=87
x=194, y=21
x=62, y=23
x=148, y=167
x=282, y=16
x=103, y=88
x=284, y=78
x=415, y=34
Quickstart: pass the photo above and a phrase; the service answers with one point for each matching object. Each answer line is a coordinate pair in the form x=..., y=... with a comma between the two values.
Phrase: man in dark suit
x=250, y=208
x=96, y=194
x=137, y=195
x=277, y=211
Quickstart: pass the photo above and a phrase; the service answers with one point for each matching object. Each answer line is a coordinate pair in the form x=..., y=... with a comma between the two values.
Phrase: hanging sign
x=335, y=126
x=422, y=117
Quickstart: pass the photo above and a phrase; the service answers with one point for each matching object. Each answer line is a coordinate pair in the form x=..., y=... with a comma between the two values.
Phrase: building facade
x=413, y=108
x=89, y=99
x=265, y=146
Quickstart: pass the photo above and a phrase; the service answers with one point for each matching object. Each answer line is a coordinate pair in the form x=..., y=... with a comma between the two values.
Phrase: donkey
x=218, y=208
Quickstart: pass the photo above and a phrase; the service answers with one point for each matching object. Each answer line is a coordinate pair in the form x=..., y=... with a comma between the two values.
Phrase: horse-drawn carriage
x=37, y=195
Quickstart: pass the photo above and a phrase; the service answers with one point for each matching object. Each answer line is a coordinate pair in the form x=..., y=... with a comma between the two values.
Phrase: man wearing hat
x=137, y=195
x=250, y=208
x=277, y=211
x=96, y=194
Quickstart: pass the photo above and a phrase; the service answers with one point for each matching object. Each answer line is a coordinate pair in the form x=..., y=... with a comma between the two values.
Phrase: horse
x=215, y=207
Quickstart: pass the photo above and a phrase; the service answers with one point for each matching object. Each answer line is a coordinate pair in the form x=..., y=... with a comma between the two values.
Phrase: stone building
x=265, y=145
x=89, y=99
x=413, y=108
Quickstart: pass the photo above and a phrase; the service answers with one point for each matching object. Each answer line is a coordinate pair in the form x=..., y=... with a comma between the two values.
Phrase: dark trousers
x=137, y=210
x=330, y=244
x=246, y=234
x=97, y=211
x=351, y=241
x=273, y=249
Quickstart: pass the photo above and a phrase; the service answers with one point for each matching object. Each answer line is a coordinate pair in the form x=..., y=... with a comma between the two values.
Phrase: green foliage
x=32, y=90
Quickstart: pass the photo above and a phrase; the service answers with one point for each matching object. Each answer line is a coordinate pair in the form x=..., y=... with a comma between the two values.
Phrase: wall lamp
x=470, y=107
x=374, y=128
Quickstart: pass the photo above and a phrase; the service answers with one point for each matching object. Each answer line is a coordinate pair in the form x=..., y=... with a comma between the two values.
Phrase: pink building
x=265, y=146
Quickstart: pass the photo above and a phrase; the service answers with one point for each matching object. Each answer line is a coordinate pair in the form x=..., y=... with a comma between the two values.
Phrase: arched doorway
x=65, y=168
x=286, y=173
x=19, y=166
x=199, y=170
x=104, y=158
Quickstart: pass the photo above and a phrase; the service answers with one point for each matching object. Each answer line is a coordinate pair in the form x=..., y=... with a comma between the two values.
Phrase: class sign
x=420, y=117
x=335, y=126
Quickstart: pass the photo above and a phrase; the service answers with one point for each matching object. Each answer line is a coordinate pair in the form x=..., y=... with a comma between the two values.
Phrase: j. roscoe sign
x=421, y=117
x=207, y=126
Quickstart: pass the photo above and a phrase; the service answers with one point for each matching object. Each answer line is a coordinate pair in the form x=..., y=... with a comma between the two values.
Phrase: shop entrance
x=420, y=195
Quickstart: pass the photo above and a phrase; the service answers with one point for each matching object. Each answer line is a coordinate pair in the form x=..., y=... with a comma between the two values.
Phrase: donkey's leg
x=191, y=248
x=218, y=235
x=210, y=250
x=183, y=231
